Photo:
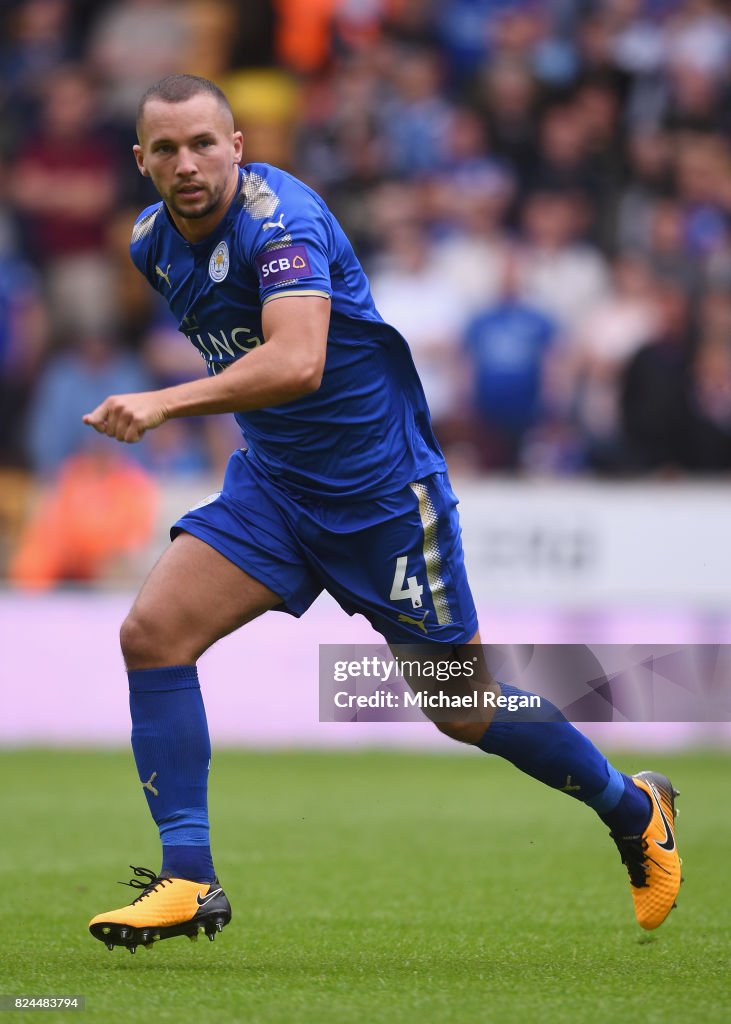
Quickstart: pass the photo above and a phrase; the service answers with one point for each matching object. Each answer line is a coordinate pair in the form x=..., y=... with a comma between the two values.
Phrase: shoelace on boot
x=153, y=882
x=632, y=851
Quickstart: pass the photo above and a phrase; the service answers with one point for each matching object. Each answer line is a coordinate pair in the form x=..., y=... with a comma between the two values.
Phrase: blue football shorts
x=404, y=573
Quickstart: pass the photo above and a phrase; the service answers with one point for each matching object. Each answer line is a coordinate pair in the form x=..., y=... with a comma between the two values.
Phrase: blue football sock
x=542, y=743
x=631, y=814
x=173, y=753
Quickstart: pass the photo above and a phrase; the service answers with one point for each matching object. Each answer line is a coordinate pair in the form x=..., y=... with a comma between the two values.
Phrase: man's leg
x=193, y=597
x=639, y=810
x=544, y=744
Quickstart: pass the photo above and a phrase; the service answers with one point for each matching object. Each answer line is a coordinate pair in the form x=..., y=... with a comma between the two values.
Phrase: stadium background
x=541, y=195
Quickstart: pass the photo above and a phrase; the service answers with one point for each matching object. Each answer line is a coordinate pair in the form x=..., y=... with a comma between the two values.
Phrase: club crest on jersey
x=219, y=262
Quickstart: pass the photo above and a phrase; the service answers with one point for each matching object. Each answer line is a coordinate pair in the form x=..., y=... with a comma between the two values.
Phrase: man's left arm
x=288, y=366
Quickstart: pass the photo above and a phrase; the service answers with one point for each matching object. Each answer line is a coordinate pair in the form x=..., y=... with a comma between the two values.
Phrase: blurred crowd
x=540, y=192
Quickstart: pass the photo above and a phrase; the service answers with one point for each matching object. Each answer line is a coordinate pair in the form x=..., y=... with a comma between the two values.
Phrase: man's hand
x=127, y=417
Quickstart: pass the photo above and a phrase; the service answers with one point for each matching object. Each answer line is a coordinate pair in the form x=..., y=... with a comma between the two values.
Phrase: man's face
x=190, y=150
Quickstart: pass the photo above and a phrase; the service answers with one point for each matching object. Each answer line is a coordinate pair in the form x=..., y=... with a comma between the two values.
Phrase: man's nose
x=186, y=164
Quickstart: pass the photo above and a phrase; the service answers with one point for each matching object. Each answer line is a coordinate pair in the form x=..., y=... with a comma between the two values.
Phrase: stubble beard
x=194, y=214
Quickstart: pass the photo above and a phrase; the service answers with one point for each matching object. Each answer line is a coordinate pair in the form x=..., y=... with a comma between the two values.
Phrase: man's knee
x=133, y=640
x=143, y=642
x=463, y=732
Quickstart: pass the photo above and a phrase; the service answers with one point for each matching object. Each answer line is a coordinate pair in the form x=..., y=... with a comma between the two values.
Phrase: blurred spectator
x=416, y=120
x=667, y=250
x=394, y=206
x=134, y=43
x=715, y=315
x=138, y=307
x=336, y=114
x=471, y=254
x=212, y=30
x=509, y=344
x=598, y=37
x=34, y=43
x=506, y=94
x=698, y=36
x=564, y=162
x=515, y=31
x=101, y=507
x=65, y=185
x=467, y=149
x=23, y=331
x=598, y=110
x=703, y=177
x=610, y=334
x=23, y=334
x=73, y=383
x=462, y=28
x=560, y=273
x=709, y=440
x=691, y=100
x=654, y=399
x=410, y=22
x=411, y=294
x=304, y=33
x=650, y=160
x=635, y=37
x=340, y=149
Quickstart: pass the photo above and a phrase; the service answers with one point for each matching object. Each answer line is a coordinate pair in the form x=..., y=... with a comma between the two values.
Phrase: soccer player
x=342, y=487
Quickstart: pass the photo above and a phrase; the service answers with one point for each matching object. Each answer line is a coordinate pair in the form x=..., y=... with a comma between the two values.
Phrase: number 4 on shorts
x=413, y=590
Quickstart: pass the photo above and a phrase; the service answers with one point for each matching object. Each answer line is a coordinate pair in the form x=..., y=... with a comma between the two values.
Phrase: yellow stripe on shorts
x=432, y=554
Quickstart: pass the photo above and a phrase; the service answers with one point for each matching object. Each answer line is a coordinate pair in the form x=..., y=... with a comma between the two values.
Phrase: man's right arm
x=288, y=366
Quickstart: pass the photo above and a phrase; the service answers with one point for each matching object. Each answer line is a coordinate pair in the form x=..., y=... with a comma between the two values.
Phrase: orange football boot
x=166, y=907
x=652, y=858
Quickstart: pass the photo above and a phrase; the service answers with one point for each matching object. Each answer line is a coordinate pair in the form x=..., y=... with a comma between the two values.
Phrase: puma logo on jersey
x=165, y=276
x=274, y=223
x=415, y=622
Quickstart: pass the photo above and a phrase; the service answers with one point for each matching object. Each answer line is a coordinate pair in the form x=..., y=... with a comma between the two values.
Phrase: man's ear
x=137, y=150
x=238, y=140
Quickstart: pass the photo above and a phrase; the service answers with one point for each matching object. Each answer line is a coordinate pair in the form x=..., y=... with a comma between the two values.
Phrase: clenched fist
x=127, y=417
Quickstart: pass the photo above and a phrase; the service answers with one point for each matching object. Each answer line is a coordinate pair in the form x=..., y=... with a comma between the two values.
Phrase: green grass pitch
x=366, y=887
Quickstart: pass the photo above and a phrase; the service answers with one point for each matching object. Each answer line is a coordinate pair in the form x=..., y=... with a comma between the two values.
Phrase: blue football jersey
x=365, y=433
